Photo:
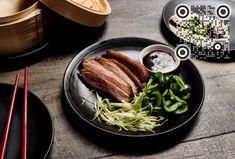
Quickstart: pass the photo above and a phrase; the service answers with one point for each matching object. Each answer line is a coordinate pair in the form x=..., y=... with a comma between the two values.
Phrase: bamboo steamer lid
x=86, y=12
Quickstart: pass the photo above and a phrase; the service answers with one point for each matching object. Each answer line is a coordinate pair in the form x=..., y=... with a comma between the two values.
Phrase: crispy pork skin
x=100, y=83
x=129, y=73
x=109, y=75
x=105, y=80
x=140, y=71
x=117, y=70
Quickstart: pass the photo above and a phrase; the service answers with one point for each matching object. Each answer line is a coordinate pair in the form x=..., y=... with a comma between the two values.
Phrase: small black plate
x=170, y=6
x=40, y=126
x=74, y=88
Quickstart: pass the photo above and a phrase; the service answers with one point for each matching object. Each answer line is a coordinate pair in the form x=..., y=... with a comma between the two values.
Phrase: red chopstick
x=8, y=122
x=25, y=110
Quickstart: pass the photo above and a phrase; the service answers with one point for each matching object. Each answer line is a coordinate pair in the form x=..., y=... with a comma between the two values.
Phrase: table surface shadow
x=210, y=135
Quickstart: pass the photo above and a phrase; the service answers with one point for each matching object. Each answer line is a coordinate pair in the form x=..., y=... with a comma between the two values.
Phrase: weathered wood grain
x=219, y=147
x=212, y=135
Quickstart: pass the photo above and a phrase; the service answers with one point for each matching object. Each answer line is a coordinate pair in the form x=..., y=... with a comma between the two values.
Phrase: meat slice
x=139, y=70
x=105, y=75
x=117, y=70
x=99, y=82
x=129, y=73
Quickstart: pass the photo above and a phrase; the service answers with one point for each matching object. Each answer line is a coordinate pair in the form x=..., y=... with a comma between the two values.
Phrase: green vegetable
x=182, y=110
x=158, y=98
x=134, y=119
x=162, y=93
x=173, y=107
x=124, y=106
x=173, y=96
x=187, y=96
x=179, y=82
x=167, y=103
x=166, y=93
x=138, y=101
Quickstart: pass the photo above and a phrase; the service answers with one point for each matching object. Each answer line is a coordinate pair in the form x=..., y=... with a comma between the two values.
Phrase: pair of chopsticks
x=9, y=117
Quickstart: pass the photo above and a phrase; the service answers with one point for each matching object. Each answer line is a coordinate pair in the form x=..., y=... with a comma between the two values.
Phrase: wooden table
x=213, y=132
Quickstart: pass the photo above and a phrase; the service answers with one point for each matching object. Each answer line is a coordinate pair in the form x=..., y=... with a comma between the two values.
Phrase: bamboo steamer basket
x=22, y=34
x=20, y=26
x=90, y=13
x=24, y=26
x=15, y=9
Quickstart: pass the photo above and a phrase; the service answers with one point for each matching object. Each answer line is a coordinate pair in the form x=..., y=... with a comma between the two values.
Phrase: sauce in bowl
x=159, y=58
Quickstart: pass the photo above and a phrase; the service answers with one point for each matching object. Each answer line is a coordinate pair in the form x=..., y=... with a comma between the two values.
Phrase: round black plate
x=32, y=51
x=74, y=88
x=40, y=127
x=26, y=58
x=169, y=8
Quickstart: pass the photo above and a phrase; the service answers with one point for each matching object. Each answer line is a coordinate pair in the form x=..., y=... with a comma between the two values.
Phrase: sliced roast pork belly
x=140, y=71
x=129, y=73
x=100, y=82
x=105, y=80
x=117, y=70
x=108, y=74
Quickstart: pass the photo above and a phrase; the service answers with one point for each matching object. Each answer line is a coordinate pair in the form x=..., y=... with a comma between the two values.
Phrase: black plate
x=40, y=127
x=40, y=47
x=74, y=88
x=169, y=8
x=26, y=58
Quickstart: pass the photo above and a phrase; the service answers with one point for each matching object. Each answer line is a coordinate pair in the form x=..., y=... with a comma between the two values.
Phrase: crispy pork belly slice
x=139, y=70
x=129, y=73
x=96, y=68
x=117, y=70
x=99, y=82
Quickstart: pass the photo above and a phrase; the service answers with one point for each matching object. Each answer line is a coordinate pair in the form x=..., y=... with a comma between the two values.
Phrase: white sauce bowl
x=163, y=49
